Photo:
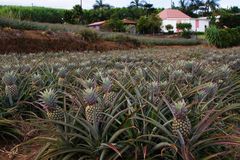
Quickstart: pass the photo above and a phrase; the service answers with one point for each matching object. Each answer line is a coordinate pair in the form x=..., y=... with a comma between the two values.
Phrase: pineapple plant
x=48, y=99
x=154, y=91
x=109, y=96
x=93, y=108
x=181, y=122
x=11, y=88
x=37, y=81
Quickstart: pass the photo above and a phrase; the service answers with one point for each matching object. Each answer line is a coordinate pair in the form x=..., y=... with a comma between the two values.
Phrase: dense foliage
x=149, y=24
x=229, y=20
x=185, y=29
x=38, y=14
x=223, y=38
x=141, y=104
x=115, y=25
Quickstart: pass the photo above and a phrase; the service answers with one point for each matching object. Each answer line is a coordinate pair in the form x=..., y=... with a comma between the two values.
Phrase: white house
x=174, y=16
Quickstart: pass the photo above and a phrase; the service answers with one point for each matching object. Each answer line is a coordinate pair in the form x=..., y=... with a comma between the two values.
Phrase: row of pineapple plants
x=147, y=104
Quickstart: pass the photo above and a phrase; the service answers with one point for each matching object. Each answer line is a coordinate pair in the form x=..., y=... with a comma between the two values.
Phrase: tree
x=149, y=24
x=211, y=4
x=100, y=5
x=78, y=12
x=148, y=7
x=115, y=25
x=169, y=27
x=235, y=9
x=137, y=3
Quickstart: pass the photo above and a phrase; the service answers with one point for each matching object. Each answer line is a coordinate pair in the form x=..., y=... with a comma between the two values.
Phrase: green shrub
x=169, y=27
x=223, y=38
x=89, y=35
x=149, y=24
x=186, y=34
x=184, y=26
x=115, y=25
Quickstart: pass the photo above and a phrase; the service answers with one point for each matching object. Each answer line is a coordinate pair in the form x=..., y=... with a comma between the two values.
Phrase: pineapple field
x=163, y=103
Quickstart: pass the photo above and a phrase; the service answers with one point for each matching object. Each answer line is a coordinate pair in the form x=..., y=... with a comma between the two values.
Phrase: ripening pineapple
x=93, y=108
x=11, y=89
x=181, y=122
x=62, y=76
x=109, y=96
x=49, y=102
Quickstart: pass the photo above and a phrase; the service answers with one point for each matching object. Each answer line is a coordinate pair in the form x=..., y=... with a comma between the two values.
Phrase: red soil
x=23, y=41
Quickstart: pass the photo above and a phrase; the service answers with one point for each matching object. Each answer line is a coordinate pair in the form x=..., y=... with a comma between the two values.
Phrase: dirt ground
x=27, y=41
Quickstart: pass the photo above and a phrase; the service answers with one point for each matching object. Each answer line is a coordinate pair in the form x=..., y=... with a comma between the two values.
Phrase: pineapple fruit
x=62, y=76
x=49, y=102
x=109, y=96
x=93, y=108
x=181, y=122
x=11, y=89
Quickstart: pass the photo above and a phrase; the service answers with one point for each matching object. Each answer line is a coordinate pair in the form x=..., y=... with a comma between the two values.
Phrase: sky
x=87, y=4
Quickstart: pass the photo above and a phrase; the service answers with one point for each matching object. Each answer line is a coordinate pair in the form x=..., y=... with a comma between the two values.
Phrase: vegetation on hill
x=37, y=14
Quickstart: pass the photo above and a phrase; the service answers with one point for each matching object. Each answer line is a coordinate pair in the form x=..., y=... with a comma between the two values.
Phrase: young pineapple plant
x=207, y=92
x=154, y=92
x=11, y=88
x=109, y=96
x=93, y=108
x=37, y=81
x=48, y=99
x=181, y=123
x=62, y=74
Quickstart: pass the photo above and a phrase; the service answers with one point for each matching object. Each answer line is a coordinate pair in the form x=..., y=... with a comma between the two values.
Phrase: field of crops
x=163, y=103
x=37, y=14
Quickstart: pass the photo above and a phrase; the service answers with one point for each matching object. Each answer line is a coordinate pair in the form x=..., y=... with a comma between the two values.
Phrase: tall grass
x=38, y=14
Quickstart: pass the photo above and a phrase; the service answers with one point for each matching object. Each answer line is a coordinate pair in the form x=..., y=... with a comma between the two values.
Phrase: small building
x=174, y=16
x=97, y=25
x=100, y=24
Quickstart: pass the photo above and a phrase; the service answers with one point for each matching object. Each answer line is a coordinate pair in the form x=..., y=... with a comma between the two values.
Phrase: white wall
x=173, y=22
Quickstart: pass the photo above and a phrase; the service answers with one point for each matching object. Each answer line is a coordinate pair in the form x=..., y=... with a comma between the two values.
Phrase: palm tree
x=100, y=5
x=211, y=4
x=137, y=3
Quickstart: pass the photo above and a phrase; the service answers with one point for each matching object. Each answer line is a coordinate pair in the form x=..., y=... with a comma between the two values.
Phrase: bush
x=223, y=38
x=186, y=34
x=184, y=26
x=169, y=27
x=149, y=24
x=89, y=35
x=115, y=25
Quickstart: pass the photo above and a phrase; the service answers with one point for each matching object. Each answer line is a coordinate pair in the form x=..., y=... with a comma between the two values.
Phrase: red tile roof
x=172, y=13
x=127, y=21
x=96, y=23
